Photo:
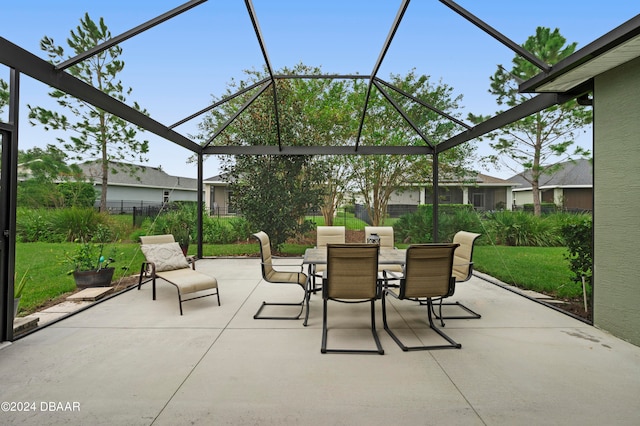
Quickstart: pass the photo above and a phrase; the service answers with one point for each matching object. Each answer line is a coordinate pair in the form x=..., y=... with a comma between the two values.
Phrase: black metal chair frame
x=472, y=314
x=430, y=309
x=265, y=277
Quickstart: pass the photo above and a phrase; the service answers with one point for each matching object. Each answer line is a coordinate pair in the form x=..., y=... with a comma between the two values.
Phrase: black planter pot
x=101, y=278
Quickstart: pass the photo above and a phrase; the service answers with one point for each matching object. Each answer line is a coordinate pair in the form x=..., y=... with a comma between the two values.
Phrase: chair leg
x=310, y=286
x=324, y=348
x=453, y=344
x=373, y=328
x=295, y=317
x=144, y=276
x=386, y=326
x=472, y=314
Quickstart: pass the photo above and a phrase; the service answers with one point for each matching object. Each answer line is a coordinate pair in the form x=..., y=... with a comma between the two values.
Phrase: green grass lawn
x=541, y=269
x=47, y=273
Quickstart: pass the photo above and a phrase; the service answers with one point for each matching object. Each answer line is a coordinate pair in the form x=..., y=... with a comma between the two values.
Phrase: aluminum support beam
x=496, y=34
x=376, y=67
x=403, y=114
x=423, y=103
x=200, y=203
x=263, y=48
x=41, y=70
x=127, y=35
x=317, y=150
x=9, y=185
x=237, y=113
x=525, y=109
x=436, y=199
x=321, y=76
x=220, y=102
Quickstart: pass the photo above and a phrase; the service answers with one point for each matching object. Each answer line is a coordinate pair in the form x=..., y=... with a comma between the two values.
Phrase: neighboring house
x=148, y=186
x=217, y=196
x=570, y=188
x=482, y=191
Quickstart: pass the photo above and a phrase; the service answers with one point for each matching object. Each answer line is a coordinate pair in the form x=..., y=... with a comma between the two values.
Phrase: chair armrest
x=452, y=287
x=148, y=268
x=286, y=265
x=393, y=275
x=191, y=260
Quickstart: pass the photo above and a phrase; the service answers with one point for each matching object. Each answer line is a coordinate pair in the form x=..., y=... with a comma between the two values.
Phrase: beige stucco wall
x=616, y=211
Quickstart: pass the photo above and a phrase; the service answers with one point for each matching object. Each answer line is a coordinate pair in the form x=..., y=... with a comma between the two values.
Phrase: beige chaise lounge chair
x=165, y=259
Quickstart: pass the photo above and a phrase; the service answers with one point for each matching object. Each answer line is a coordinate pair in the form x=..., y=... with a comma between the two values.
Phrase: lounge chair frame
x=148, y=273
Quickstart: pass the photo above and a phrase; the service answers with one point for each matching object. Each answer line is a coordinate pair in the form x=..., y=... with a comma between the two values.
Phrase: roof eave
x=574, y=73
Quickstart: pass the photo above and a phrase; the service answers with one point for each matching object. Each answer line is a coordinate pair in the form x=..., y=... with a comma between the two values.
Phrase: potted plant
x=90, y=262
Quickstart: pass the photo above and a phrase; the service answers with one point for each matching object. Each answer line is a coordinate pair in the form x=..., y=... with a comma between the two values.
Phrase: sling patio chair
x=428, y=274
x=271, y=275
x=351, y=277
x=463, y=270
x=165, y=259
x=326, y=235
x=386, y=238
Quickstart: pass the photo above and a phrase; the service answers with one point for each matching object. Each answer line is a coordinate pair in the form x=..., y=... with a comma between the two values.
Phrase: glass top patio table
x=386, y=256
x=318, y=256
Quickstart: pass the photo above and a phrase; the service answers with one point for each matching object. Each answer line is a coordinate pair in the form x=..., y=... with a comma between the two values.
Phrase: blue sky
x=176, y=67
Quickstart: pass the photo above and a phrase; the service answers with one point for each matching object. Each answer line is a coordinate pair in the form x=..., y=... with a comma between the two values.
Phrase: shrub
x=77, y=223
x=77, y=194
x=180, y=221
x=216, y=231
x=58, y=225
x=417, y=227
x=544, y=208
x=35, y=225
x=522, y=229
x=241, y=228
x=579, y=239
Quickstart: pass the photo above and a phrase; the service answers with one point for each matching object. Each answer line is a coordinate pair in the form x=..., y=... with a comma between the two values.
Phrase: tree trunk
x=536, y=197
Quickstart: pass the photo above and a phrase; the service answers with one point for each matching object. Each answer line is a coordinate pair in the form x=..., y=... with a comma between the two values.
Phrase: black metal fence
x=353, y=217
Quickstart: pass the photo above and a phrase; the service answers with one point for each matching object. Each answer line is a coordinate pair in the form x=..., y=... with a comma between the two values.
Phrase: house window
x=445, y=195
x=165, y=196
x=213, y=206
x=230, y=208
x=478, y=200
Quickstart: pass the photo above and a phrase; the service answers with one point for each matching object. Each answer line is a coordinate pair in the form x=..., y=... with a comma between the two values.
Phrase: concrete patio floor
x=134, y=361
